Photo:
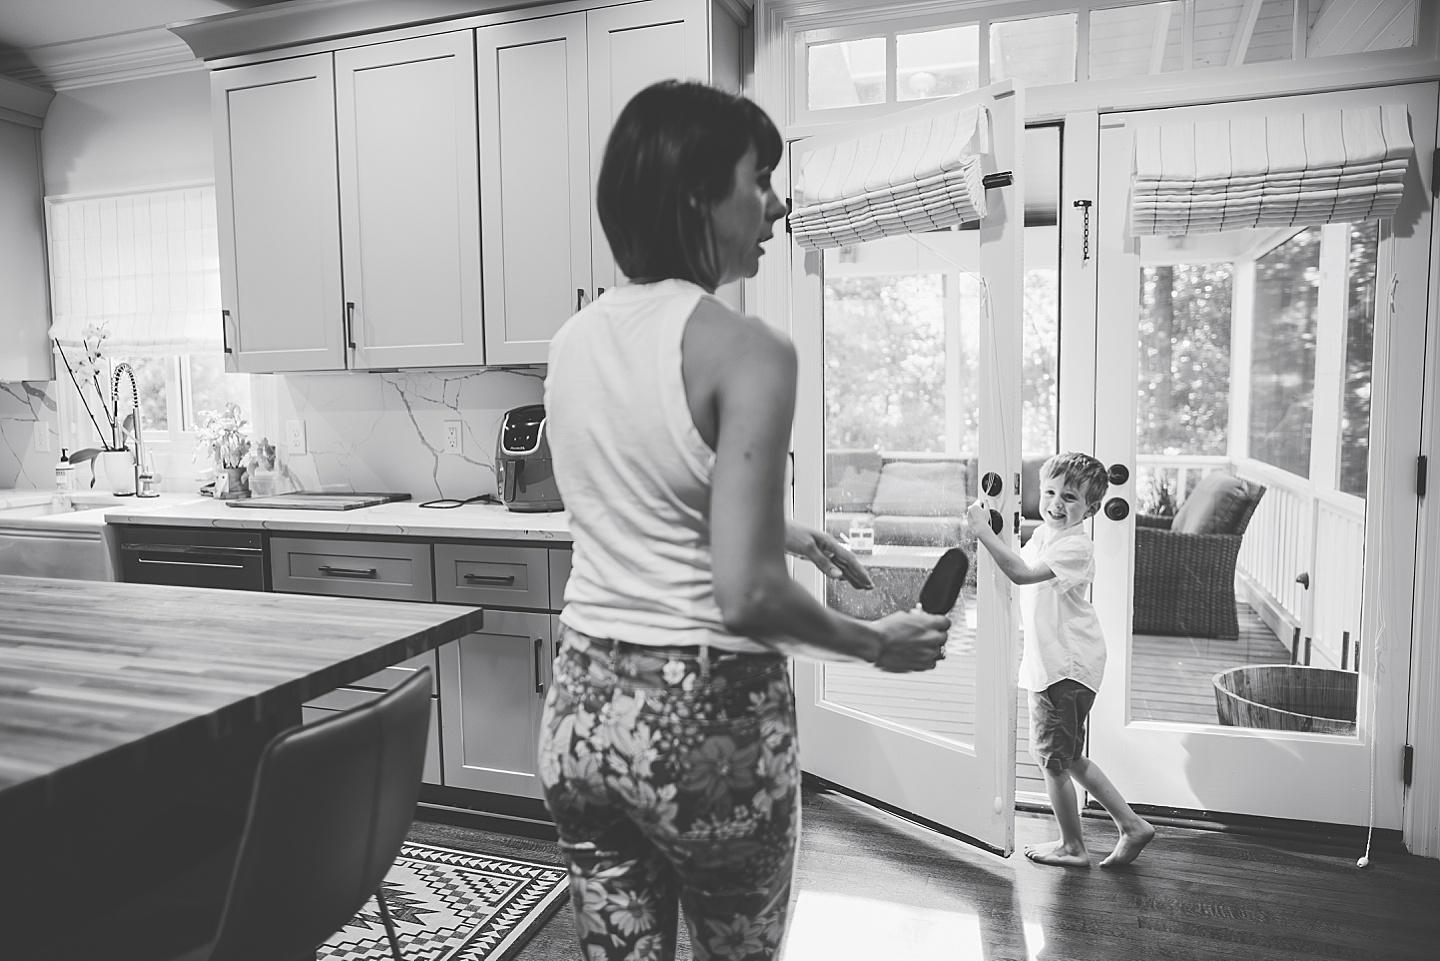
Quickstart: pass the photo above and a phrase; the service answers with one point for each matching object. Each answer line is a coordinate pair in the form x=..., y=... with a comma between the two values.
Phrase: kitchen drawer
x=344, y=698
x=492, y=575
x=388, y=677
x=391, y=570
x=559, y=574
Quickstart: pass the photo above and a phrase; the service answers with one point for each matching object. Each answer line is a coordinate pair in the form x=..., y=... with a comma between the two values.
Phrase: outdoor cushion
x=850, y=479
x=921, y=488
x=919, y=531
x=1214, y=506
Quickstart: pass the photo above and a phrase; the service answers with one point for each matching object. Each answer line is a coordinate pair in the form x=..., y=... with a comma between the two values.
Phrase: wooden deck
x=1171, y=675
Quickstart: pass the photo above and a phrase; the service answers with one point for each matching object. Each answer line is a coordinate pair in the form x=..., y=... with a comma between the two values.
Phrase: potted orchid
x=224, y=435
x=88, y=372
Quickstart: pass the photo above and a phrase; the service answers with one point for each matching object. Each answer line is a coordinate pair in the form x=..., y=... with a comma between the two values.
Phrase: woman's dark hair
x=671, y=155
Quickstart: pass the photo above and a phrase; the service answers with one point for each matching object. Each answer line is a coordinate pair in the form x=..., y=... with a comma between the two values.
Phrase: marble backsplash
x=387, y=431
x=363, y=431
x=23, y=405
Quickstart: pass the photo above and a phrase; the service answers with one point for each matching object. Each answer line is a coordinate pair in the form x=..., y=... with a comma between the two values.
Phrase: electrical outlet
x=42, y=437
x=295, y=437
x=452, y=436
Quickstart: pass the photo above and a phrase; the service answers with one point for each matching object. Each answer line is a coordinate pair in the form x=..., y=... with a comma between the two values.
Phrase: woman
x=668, y=749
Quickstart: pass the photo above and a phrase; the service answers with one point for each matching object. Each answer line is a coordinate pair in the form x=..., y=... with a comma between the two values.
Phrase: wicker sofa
x=1185, y=565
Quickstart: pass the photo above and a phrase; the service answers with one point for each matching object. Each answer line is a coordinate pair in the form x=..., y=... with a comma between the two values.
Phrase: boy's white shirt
x=1062, y=633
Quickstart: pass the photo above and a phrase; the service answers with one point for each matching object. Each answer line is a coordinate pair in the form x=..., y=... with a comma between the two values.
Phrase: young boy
x=1064, y=655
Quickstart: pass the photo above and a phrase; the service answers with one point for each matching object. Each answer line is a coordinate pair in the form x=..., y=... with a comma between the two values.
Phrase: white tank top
x=634, y=472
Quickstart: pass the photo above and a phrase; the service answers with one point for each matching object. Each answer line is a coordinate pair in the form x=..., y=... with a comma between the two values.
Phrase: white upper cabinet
x=410, y=202
x=550, y=90
x=631, y=47
x=535, y=178
x=24, y=305
x=277, y=198
x=427, y=201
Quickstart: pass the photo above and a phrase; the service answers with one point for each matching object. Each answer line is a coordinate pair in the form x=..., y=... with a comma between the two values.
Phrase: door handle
x=579, y=298
x=539, y=681
x=350, y=323
x=225, y=332
x=1118, y=474
x=1303, y=579
x=1117, y=508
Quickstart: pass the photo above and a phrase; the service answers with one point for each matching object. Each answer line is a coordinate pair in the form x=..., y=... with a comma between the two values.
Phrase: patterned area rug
x=453, y=906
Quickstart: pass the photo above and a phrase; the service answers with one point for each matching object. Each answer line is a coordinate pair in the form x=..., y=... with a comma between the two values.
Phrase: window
x=174, y=390
x=1282, y=367
x=1038, y=51
x=937, y=63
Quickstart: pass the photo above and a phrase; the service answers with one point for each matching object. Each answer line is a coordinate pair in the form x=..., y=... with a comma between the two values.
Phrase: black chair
x=331, y=805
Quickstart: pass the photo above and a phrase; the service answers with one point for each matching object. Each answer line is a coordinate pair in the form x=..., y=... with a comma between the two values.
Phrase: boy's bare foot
x=1129, y=846
x=1057, y=854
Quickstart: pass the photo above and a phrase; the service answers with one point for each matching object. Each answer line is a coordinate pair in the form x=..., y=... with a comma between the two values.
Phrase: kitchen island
x=124, y=704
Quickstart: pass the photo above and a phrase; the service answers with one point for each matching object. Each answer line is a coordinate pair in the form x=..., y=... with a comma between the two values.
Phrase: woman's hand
x=832, y=558
x=911, y=641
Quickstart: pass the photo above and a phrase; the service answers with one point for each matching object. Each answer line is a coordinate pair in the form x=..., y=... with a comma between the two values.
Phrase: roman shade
x=144, y=267
x=1340, y=165
x=910, y=177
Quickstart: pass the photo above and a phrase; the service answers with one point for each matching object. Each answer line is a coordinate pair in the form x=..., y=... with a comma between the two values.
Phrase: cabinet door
x=630, y=47
x=277, y=198
x=535, y=175
x=410, y=202
x=492, y=692
x=25, y=351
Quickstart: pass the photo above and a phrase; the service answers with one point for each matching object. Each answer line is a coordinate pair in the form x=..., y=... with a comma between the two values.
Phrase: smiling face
x=1063, y=503
x=743, y=220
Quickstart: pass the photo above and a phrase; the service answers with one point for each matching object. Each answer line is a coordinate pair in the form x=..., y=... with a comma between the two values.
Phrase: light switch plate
x=452, y=436
x=295, y=437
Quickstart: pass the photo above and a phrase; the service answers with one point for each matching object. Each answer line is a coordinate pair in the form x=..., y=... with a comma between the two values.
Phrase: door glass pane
x=901, y=342
x=845, y=74
x=937, y=63
x=1248, y=571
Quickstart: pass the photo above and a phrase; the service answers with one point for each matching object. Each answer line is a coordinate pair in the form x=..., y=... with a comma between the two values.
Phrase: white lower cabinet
x=492, y=693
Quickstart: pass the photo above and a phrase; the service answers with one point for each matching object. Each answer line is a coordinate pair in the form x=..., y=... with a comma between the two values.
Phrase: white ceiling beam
x=1244, y=29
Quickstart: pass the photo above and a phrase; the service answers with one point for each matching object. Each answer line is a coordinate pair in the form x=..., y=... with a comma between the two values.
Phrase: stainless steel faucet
x=143, y=477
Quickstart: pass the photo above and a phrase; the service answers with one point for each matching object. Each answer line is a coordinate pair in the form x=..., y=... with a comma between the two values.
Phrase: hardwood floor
x=874, y=887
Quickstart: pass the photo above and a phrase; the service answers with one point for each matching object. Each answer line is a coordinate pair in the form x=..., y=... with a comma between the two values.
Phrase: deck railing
x=1296, y=529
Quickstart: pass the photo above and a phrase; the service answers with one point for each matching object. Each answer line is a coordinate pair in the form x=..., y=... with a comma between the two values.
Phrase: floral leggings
x=673, y=777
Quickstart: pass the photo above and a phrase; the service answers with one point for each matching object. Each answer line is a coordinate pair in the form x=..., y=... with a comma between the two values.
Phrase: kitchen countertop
x=397, y=519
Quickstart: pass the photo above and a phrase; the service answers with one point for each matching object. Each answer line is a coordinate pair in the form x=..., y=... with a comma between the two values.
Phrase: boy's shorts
x=1057, y=723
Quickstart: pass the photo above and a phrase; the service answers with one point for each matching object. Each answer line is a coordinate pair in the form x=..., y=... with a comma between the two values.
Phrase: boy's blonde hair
x=1082, y=471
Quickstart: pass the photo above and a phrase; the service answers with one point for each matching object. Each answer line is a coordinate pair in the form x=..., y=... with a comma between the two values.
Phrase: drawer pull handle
x=156, y=560
x=498, y=580
x=539, y=683
x=329, y=571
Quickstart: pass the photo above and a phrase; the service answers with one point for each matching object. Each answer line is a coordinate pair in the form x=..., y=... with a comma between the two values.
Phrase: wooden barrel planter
x=1287, y=697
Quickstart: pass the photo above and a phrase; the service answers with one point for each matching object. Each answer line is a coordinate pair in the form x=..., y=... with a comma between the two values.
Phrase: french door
x=1290, y=363
x=908, y=396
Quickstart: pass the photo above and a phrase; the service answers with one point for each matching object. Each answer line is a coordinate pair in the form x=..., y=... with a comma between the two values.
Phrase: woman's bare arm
x=745, y=373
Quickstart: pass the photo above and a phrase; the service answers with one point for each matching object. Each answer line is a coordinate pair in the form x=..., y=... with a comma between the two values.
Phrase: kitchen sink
x=42, y=536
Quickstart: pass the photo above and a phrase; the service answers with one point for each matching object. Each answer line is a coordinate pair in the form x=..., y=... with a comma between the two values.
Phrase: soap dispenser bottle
x=64, y=473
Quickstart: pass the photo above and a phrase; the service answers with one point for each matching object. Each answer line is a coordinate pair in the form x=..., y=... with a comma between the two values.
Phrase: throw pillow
x=850, y=479
x=921, y=488
x=1215, y=505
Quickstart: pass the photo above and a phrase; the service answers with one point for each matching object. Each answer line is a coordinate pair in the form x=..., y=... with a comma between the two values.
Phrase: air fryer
x=524, y=472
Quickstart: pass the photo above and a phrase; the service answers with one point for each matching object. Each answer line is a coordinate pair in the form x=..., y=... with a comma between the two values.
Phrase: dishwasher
x=194, y=557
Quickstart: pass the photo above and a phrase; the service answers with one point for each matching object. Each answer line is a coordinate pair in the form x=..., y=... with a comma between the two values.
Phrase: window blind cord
x=1378, y=648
